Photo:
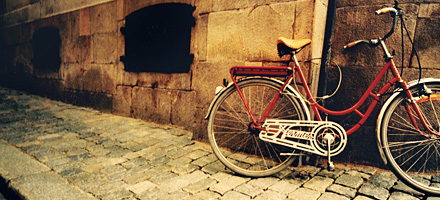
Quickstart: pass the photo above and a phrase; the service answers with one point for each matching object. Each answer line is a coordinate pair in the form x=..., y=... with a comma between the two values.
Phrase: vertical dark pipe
x=326, y=53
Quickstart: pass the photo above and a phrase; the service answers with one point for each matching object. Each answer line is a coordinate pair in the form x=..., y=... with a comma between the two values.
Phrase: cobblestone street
x=52, y=150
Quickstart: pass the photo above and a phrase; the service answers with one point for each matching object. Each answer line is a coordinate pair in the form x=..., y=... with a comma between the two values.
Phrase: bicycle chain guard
x=308, y=136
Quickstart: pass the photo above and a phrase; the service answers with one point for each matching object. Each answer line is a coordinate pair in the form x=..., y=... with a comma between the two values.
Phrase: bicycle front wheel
x=239, y=147
x=413, y=153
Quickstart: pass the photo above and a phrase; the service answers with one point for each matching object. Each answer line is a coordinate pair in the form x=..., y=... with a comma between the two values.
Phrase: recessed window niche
x=158, y=39
x=46, y=49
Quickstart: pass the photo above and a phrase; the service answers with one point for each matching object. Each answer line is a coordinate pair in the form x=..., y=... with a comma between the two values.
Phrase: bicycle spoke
x=435, y=113
x=420, y=157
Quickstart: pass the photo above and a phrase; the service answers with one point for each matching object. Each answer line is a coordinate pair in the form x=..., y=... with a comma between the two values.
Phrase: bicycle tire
x=414, y=158
x=234, y=144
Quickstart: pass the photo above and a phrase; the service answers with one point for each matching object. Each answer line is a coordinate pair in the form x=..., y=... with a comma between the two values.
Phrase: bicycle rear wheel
x=414, y=157
x=237, y=146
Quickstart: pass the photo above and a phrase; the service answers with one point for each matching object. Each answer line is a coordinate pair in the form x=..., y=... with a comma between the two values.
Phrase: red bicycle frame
x=289, y=72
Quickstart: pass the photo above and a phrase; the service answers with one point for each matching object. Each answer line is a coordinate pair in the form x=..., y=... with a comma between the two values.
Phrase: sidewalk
x=52, y=150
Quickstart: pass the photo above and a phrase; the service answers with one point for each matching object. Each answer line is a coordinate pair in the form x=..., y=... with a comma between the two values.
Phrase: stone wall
x=360, y=64
x=226, y=33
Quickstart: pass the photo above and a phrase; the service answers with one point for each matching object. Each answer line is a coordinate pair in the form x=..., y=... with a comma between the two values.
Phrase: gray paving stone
x=204, y=195
x=304, y=194
x=331, y=174
x=400, y=186
x=225, y=185
x=214, y=167
x=319, y=183
x=332, y=196
x=270, y=195
x=47, y=186
x=234, y=195
x=283, y=187
x=175, y=195
x=384, y=179
x=374, y=191
x=141, y=187
x=360, y=197
x=185, y=169
x=342, y=190
x=358, y=174
x=349, y=181
x=263, y=183
x=200, y=185
x=249, y=190
x=401, y=196
x=179, y=182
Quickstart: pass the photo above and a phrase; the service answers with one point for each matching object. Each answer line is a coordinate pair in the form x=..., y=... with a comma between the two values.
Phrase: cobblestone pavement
x=53, y=150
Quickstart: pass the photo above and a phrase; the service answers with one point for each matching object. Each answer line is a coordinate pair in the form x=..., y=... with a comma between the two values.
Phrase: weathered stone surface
x=121, y=104
x=371, y=190
x=235, y=195
x=332, y=196
x=151, y=104
x=103, y=18
x=249, y=190
x=104, y=50
x=366, y=25
x=429, y=10
x=345, y=191
x=100, y=78
x=385, y=180
x=304, y=194
x=349, y=181
x=242, y=40
x=401, y=196
x=223, y=186
x=319, y=183
x=182, y=109
x=283, y=187
x=47, y=186
x=427, y=42
x=270, y=195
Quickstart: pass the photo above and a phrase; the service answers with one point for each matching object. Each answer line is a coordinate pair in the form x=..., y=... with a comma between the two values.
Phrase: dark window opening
x=46, y=49
x=158, y=39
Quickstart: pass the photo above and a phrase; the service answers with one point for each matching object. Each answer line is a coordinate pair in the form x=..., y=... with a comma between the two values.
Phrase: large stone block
x=382, y=3
x=207, y=76
x=103, y=18
x=100, y=78
x=181, y=81
x=121, y=104
x=72, y=74
x=104, y=50
x=76, y=49
x=183, y=109
x=133, y=5
x=427, y=43
x=222, y=5
x=250, y=34
x=201, y=39
x=429, y=10
x=201, y=125
x=53, y=7
x=151, y=104
x=84, y=22
x=27, y=13
x=357, y=23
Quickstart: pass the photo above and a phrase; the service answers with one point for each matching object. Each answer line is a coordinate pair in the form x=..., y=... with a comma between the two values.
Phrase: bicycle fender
x=303, y=103
x=412, y=84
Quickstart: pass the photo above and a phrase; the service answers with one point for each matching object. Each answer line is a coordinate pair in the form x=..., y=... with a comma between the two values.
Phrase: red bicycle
x=258, y=124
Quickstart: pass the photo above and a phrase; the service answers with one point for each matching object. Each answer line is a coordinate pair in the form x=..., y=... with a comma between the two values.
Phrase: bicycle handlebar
x=387, y=10
x=394, y=12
